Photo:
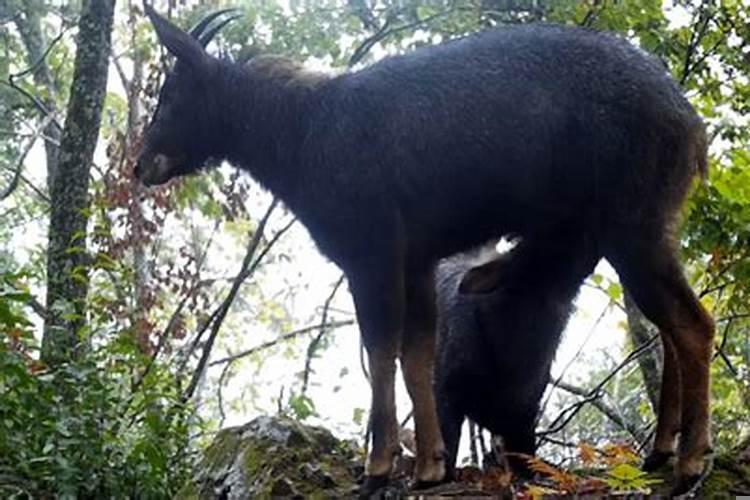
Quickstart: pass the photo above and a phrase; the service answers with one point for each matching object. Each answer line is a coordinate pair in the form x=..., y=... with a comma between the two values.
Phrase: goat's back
x=518, y=127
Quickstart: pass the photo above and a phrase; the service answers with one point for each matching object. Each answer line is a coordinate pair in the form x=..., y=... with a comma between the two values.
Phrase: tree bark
x=650, y=363
x=67, y=262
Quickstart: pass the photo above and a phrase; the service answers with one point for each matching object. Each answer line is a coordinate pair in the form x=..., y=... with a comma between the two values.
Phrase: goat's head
x=177, y=141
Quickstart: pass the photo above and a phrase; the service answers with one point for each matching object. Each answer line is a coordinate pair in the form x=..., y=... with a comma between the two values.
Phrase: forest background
x=135, y=323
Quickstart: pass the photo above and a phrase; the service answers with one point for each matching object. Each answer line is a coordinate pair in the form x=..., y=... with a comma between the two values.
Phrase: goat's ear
x=482, y=279
x=179, y=43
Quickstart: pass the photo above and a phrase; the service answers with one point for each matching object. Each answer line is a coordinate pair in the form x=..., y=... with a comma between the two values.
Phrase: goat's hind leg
x=649, y=268
x=669, y=410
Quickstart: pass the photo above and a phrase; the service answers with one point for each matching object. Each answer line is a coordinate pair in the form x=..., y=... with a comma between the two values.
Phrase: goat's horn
x=210, y=34
x=197, y=30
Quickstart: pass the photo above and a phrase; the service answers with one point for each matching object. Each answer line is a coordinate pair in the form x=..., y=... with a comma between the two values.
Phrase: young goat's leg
x=668, y=417
x=451, y=420
x=379, y=300
x=418, y=362
x=650, y=270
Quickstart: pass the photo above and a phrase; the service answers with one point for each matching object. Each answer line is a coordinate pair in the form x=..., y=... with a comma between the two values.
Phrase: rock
x=275, y=457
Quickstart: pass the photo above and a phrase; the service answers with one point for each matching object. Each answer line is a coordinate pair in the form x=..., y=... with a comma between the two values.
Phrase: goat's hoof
x=450, y=474
x=426, y=485
x=685, y=486
x=371, y=485
x=656, y=460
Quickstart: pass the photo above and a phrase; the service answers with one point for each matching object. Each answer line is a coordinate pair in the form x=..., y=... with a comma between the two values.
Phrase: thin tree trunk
x=67, y=263
x=140, y=259
x=650, y=363
x=29, y=26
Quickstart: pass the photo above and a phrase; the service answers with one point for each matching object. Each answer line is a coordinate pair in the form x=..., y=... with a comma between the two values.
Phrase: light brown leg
x=380, y=302
x=417, y=363
x=383, y=422
x=669, y=410
x=694, y=350
x=650, y=270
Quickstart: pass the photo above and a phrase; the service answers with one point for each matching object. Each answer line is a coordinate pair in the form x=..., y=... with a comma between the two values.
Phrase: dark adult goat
x=495, y=350
x=524, y=129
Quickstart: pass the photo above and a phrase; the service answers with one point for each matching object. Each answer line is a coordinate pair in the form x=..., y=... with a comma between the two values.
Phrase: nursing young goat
x=525, y=129
x=495, y=350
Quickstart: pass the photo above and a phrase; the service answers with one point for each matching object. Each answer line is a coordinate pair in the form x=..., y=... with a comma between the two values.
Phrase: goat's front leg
x=379, y=300
x=418, y=364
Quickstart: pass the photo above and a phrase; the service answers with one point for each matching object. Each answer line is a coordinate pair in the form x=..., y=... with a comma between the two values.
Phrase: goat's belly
x=452, y=223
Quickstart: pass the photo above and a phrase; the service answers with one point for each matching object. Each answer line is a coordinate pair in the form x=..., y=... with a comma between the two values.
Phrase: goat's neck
x=265, y=116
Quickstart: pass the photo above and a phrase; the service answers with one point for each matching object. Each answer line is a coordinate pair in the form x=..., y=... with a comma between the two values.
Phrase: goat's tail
x=698, y=148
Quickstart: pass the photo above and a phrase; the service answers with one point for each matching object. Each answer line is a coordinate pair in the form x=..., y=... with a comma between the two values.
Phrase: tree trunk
x=29, y=26
x=67, y=263
x=650, y=363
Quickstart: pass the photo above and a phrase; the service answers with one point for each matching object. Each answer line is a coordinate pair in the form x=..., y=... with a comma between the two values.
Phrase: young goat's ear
x=179, y=43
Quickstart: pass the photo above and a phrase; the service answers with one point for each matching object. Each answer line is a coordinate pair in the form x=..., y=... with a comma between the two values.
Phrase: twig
x=384, y=32
x=605, y=292
x=37, y=307
x=696, y=35
x=567, y=414
x=18, y=174
x=592, y=13
x=314, y=343
x=219, y=395
x=162, y=340
x=221, y=312
x=558, y=442
x=591, y=331
x=267, y=248
x=35, y=100
x=42, y=57
x=121, y=73
x=606, y=410
x=281, y=338
x=711, y=285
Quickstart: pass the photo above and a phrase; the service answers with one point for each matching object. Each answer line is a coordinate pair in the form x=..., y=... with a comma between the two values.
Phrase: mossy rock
x=275, y=457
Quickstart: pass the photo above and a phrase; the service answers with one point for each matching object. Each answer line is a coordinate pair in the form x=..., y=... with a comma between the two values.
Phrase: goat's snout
x=153, y=170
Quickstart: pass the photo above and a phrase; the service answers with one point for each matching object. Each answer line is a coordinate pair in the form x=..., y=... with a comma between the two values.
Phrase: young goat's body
x=525, y=130
x=495, y=350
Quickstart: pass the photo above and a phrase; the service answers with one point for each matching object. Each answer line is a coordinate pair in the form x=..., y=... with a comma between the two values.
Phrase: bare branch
x=247, y=268
x=603, y=290
x=18, y=174
x=591, y=331
x=33, y=67
x=219, y=395
x=596, y=8
x=314, y=343
x=696, y=36
x=38, y=307
x=124, y=81
x=606, y=410
x=385, y=31
x=280, y=339
x=567, y=414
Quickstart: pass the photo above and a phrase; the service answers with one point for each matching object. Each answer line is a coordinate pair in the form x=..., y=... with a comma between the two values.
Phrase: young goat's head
x=175, y=141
